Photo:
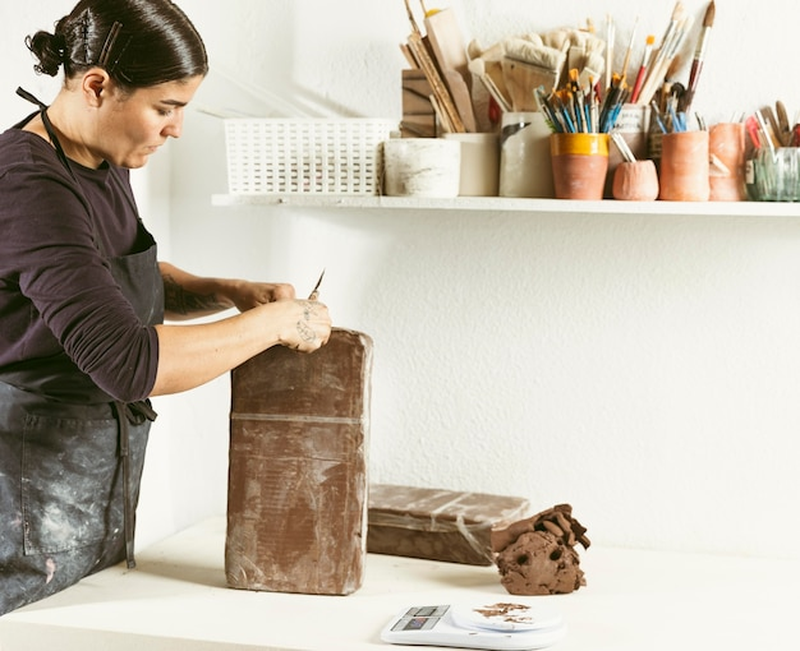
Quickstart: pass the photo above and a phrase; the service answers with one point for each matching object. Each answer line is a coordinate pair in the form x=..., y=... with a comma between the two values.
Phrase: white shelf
x=508, y=204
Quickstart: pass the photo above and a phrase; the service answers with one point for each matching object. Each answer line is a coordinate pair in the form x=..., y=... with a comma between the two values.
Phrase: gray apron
x=70, y=470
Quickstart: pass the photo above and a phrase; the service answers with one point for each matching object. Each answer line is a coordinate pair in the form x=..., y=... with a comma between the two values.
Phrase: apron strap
x=129, y=413
x=24, y=94
x=49, y=128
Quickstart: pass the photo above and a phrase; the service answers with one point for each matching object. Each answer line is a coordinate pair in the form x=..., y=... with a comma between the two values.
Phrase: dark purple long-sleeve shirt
x=57, y=293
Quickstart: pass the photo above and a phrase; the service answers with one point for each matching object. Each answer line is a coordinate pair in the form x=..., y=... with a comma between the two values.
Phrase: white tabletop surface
x=177, y=600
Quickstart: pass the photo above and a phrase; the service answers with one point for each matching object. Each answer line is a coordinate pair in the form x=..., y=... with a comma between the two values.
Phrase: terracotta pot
x=726, y=148
x=580, y=164
x=636, y=181
x=684, y=166
x=631, y=124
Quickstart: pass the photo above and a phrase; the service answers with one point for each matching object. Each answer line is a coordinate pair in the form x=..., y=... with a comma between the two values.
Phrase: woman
x=82, y=296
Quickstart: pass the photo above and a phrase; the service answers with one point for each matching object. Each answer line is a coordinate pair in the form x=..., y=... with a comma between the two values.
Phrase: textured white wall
x=642, y=368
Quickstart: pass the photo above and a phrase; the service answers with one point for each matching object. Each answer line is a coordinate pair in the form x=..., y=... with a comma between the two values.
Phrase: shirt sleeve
x=49, y=246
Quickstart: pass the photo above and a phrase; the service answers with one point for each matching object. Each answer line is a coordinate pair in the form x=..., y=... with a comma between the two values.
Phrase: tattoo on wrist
x=179, y=301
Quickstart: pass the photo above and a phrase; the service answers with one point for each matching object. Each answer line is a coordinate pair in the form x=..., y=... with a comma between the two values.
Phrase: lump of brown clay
x=537, y=556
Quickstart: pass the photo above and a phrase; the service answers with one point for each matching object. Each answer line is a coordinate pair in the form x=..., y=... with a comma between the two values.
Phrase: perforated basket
x=305, y=155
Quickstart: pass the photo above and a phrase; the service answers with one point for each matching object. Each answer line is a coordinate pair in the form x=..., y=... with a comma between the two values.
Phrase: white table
x=177, y=600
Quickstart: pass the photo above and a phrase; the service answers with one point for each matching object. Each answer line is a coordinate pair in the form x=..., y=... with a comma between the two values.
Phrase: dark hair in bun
x=138, y=42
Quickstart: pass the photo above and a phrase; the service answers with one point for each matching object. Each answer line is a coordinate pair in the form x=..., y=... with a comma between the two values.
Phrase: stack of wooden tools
x=436, y=88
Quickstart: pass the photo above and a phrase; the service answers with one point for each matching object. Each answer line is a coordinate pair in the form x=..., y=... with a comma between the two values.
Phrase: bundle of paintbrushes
x=513, y=68
x=657, y=61
x=666, y=112
x=580, y=109
x=770, y=130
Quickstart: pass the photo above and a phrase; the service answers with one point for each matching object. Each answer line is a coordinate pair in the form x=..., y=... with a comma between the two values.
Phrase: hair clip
x=111, y=39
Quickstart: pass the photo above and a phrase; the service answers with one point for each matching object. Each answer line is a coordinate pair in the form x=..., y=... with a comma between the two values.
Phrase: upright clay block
x=297, y=486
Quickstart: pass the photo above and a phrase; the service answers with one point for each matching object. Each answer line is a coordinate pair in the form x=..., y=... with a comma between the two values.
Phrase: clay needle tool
x=699, y=54
x=314, y=295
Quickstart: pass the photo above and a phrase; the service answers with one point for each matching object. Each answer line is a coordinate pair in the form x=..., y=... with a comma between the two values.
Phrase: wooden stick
x=438, y=87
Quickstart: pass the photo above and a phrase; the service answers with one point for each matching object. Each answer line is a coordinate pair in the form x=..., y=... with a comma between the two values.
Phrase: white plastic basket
x=305, y=155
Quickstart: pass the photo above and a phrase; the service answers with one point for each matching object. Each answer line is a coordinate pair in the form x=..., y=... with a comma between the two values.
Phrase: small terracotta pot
x=636, y=181
x=631, y=124
x=684, y=166
x=580, y=164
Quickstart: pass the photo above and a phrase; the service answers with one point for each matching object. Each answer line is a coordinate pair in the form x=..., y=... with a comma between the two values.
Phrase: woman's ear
x=95, y=85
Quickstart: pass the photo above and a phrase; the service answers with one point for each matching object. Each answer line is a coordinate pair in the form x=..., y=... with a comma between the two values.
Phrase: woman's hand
x=270, y=315
x=191, y=355
x=246, y=295
x=187, y=296
x=307, y=324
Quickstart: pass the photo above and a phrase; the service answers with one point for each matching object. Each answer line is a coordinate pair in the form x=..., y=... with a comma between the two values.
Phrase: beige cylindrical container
x=684, y=166
x=636, y=181
x=480, y=163
x=297, y=478
x=726, y=149
x=580, y=164
x=525, y=167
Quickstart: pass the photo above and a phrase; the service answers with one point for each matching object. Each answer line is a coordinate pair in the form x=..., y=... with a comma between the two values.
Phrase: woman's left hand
x=246, y=295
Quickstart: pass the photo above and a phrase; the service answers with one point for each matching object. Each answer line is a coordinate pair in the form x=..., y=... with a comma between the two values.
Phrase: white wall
x=642, y=368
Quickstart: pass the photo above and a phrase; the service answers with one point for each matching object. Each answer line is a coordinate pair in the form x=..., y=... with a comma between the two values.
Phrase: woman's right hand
x=307, y=324
x=191, y=355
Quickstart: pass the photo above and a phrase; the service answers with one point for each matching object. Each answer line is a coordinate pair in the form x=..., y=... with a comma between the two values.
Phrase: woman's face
x=132, y=126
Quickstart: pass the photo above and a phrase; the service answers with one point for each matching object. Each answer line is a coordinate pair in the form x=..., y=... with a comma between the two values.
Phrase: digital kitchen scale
x=501, y=626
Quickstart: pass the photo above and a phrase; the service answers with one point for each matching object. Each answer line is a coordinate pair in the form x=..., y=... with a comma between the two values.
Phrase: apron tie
x=129, y=413
x=24, y=94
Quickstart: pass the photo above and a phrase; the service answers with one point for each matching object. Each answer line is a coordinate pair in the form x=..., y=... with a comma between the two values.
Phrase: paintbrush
x=628, y=52
x=610, y=37
x=623, y=147
x=648, y=51
x=576, y=101
x=528, y=65
x=673, y=39
x=699, y=56
x=784, y=127
x=700, y=51
x=762, y=123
